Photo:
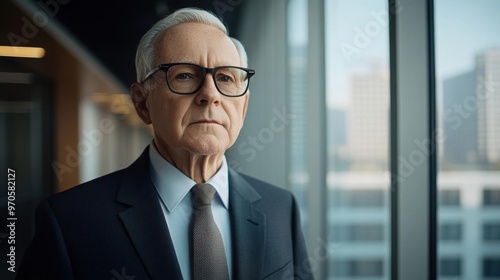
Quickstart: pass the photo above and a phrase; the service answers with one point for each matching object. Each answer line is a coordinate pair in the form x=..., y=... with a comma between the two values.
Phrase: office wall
x=261, y=147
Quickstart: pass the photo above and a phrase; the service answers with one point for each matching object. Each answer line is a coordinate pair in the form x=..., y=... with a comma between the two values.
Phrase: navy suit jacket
x=113, y=228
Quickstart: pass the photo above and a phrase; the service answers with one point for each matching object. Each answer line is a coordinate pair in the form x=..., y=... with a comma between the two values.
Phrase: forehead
x=196, y=43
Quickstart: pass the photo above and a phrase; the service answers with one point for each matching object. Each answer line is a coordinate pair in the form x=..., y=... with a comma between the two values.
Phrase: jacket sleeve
x=301, y=261
x=46, y=256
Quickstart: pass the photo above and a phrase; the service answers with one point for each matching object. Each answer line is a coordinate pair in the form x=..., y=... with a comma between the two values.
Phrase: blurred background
x=382, y=117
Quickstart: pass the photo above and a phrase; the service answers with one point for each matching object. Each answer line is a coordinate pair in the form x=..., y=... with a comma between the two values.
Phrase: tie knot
x=202, y=195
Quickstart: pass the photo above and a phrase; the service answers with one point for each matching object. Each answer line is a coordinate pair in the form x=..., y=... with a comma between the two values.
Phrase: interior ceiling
x=111, y=30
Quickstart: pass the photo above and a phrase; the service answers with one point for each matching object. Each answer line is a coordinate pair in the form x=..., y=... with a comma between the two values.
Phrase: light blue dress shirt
x=175, y=199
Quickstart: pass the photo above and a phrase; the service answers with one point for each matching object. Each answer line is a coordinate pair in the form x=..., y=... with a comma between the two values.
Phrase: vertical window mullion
x=433, y=142
x=412, y=63
x=393, y=141
x=317, y=148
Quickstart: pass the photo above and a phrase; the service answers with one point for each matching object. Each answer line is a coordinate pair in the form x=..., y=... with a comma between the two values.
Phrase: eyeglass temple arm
x=150, y=73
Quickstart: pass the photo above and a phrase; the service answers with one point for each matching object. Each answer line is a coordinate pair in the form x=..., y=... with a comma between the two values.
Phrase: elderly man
x=178, y=212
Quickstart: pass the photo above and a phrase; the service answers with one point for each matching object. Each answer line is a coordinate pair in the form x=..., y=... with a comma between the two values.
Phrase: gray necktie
x=208, y=255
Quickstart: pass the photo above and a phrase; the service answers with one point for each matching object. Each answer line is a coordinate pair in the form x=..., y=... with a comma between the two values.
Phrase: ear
x=139, y=96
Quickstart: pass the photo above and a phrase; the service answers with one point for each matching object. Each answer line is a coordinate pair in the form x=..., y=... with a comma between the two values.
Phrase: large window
x=376, y=205
x=357, y=101
x=467, y=48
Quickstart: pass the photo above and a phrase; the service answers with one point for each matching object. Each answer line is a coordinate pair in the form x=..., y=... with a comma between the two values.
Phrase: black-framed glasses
x=188, y=78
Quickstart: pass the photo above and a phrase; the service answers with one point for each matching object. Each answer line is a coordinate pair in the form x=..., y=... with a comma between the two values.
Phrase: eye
x=183, y=76
x=224, y=78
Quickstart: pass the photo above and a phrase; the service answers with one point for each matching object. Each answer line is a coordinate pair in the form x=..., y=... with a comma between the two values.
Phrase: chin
x=208, y=145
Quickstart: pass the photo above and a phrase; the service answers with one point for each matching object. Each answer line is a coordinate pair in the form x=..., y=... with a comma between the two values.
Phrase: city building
x=488, y=103
x=368, y=119
x=460, y=147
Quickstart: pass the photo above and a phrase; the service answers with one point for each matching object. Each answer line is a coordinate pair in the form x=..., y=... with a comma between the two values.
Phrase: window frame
x=413, y=198
x=412, y=205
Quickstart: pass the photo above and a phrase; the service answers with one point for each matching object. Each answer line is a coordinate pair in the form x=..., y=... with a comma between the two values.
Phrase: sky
x=356, y=39
x=463, y=28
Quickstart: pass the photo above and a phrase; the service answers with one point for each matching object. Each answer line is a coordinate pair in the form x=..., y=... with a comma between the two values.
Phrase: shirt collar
x=172, y=185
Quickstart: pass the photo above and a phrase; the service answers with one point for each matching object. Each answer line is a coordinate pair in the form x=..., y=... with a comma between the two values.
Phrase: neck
x=200, y=168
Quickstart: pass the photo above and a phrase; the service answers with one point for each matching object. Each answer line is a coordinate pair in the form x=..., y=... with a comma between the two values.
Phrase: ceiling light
x=28, y=52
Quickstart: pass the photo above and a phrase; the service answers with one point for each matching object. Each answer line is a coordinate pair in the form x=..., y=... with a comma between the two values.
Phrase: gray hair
x=145, y=55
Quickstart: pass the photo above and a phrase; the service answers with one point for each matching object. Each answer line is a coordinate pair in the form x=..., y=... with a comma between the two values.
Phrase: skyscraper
x=460, y=125
x=368, y=119
x=488, y=104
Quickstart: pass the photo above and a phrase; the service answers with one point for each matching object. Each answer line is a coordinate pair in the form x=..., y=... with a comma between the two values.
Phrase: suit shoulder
x=267, y=190
x=97, y=189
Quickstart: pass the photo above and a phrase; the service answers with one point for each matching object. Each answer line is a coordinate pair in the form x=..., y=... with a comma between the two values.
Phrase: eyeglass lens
x=185, y=78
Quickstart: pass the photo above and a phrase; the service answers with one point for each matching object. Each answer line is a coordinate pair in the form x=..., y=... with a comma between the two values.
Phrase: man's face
x=206, y=122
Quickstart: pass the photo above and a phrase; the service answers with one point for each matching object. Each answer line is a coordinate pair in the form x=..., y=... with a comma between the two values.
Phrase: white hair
x=241, y=51
x=145, y=55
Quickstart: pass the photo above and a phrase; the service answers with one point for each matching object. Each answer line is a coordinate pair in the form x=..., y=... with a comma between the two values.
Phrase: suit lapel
x=145, y=223
x=248, y=229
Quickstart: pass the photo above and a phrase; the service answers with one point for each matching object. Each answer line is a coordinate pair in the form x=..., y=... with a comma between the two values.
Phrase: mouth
x=205, y=121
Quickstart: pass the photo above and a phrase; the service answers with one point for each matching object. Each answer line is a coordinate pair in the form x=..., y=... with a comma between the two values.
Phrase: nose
x=208, y=93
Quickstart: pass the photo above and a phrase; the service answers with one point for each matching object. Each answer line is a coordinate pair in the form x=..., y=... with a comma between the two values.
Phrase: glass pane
x=297, y=103
x=468, y=97
x=357, y=75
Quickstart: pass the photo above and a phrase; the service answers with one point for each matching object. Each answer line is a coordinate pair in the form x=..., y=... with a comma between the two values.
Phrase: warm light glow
x=28, y=52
